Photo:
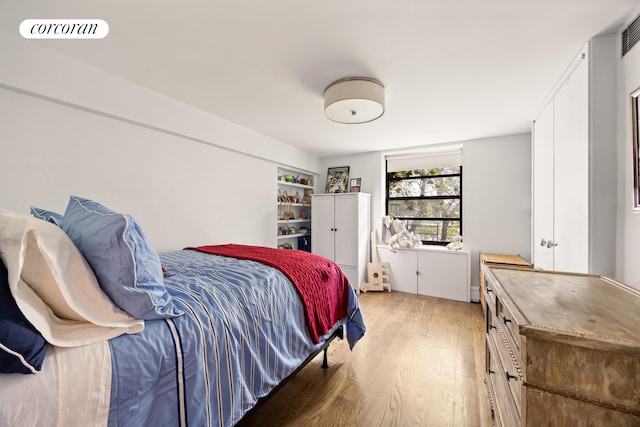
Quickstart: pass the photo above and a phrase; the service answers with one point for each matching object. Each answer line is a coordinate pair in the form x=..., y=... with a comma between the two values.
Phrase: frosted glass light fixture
x=354, y=100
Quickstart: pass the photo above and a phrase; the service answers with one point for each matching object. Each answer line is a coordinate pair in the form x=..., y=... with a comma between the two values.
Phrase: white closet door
x=346, y=225
x=543, y=189
x=322, y=226
x=571, y=171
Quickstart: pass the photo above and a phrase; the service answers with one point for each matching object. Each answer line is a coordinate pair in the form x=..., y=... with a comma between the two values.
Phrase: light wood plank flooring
x=421, y=363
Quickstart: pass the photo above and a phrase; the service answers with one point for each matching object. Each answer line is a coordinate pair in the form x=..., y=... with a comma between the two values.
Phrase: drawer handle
x=509, y=376
x=505, y=320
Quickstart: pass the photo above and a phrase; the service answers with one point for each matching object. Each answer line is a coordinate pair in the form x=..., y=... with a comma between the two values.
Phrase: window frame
x=458, y=197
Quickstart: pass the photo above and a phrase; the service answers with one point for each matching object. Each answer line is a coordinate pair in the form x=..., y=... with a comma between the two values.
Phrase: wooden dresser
x=561, y=349
x=499, y=260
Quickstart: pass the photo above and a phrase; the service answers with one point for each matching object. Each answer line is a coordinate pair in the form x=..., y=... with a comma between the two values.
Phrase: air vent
x=630, y=36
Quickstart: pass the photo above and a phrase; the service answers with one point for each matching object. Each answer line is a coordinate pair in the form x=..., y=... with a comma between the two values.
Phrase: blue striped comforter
x=243, y=331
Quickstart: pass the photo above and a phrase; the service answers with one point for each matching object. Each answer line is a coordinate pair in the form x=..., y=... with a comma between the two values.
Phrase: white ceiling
x=453, y=70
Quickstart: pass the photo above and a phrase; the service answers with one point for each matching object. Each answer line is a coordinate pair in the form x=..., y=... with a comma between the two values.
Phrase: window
x=428, y=200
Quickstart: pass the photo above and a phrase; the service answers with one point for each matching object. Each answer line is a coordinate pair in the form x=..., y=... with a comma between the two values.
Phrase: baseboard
x=475, y=294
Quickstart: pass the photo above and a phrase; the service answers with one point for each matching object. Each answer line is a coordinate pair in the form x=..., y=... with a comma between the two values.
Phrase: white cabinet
x=294, y=209
x=435, y=272
x=340, y=230
x=403, y=269
x=574, y=164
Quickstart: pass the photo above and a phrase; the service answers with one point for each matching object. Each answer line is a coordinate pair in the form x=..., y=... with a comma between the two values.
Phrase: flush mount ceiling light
x=354, y=100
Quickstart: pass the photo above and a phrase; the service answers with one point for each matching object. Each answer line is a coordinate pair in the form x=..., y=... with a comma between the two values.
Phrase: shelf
x=295, y=184
x=294, y=204
x=291, y=221
x=290, y=236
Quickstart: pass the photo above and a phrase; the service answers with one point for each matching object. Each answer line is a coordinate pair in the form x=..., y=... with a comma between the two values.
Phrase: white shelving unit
x=295, y=189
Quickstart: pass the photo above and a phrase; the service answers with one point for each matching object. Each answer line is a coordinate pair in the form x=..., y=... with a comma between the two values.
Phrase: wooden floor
x=421, y=363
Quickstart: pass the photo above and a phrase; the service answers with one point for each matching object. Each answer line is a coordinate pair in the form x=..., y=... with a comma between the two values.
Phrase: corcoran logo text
x=64, y=29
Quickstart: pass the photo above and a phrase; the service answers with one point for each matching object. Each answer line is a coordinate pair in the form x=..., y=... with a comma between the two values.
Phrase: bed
x=221, y=329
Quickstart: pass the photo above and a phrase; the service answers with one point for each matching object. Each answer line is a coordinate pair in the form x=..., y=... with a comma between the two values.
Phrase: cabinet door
x=402, y=269
x=543, y=188
x=346, y=229
x=571, y=171
x=322, y=226
x=444, y=275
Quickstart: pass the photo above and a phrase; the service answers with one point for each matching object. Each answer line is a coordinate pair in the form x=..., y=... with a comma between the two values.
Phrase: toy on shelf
x=400, y=236
x=456, y=244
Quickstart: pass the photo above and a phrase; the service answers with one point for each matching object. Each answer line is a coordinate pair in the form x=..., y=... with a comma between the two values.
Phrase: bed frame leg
x=338, y=333
x=325, y=360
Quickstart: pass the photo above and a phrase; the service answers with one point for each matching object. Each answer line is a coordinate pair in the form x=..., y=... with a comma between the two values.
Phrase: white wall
x=190, y=178
x=368, y=167
x=628, y=220
x=497, y=198
x=496, y=193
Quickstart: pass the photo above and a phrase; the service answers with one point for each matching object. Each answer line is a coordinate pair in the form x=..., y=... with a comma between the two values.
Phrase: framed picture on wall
x=354, y=185
x=635, y=127
x=337, y=179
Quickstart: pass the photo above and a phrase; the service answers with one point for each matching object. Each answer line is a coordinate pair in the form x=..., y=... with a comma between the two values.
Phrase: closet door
x=581, y=124
x=571, y=171
x=322, y=226
x=346, y=226
x=543, y=189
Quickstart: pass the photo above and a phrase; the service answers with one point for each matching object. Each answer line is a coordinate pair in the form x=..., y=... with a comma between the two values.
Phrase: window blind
x=451, y=156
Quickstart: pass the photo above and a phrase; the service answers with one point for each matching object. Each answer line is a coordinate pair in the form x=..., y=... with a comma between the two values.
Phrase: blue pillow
x=127, y=267
x=46, y=215
x=22, y=348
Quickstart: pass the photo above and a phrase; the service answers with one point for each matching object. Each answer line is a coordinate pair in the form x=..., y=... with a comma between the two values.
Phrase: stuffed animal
x=402, y=238
x=456, y=243
x=386, y=232
x=398, y=240
x=416, y=239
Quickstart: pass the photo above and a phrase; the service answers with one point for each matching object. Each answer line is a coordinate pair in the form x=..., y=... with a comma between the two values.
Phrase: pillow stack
x=74, y=279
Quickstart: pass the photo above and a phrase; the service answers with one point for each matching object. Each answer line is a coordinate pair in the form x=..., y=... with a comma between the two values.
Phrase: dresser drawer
x=506, y=411
x=490, y=296
x=489, y=310
x=509, y=366
x=509, y=325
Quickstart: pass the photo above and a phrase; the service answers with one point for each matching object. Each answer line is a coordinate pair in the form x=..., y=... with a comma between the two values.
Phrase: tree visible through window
x=428, y=200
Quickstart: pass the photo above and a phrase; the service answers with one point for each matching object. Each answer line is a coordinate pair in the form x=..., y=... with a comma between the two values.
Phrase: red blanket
x=322, y=285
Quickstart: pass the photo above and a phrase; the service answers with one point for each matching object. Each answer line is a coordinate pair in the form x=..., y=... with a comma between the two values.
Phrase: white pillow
x=54, y=286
